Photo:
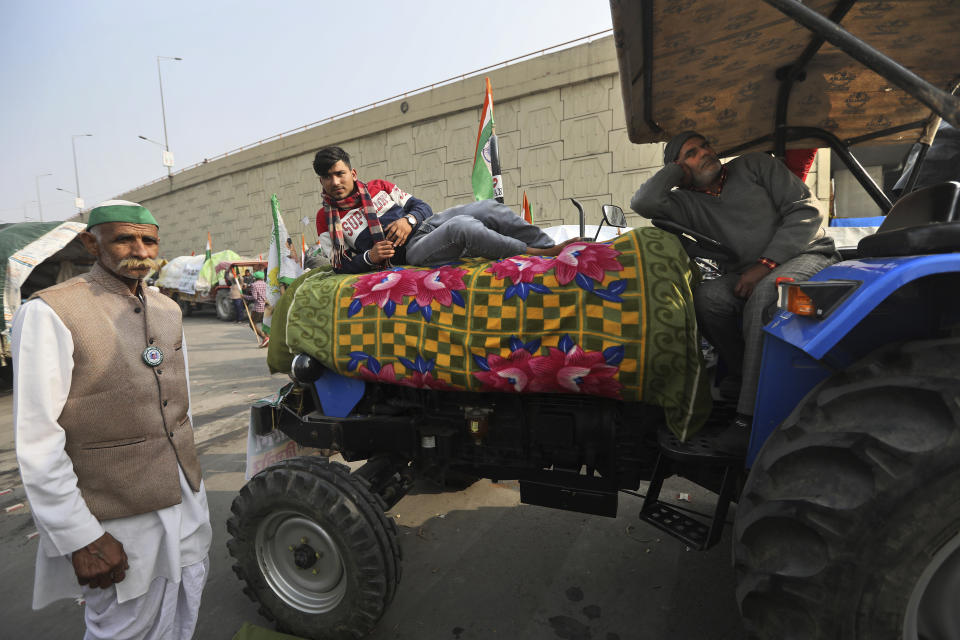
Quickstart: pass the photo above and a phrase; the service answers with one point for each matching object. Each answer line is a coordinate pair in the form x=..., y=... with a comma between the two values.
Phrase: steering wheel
x=696, y=244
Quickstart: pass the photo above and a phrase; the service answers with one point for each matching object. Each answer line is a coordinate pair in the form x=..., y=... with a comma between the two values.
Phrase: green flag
x=485, y=185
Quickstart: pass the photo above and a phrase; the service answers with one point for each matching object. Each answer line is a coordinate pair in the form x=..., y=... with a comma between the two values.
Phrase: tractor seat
x=922, y=222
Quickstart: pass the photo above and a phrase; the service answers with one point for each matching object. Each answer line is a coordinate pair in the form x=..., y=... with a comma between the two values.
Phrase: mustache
x=137, y=263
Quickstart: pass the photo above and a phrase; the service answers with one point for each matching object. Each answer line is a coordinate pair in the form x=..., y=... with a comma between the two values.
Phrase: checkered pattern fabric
x=613, y=319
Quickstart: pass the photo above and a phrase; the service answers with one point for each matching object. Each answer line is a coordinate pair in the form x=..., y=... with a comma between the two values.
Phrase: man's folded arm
x=653, y=199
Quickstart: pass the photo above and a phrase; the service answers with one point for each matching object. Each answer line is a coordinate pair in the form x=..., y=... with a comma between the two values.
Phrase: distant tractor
x=218, y=296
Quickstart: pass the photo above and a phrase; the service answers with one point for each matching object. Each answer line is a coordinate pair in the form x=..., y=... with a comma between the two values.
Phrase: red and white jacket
x=391, y=203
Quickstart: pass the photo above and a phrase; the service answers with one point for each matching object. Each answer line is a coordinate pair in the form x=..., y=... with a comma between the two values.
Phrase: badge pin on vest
x=153, y=356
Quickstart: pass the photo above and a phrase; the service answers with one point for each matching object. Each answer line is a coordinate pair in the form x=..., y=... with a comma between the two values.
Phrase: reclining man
x=755, y=206
x=375, y=224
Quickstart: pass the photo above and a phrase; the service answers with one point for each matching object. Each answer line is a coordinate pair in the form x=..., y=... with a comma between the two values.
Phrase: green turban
x=258, y=275
x=120, y=211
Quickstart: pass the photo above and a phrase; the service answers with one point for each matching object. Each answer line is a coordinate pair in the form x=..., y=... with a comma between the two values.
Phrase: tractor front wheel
x=315, y=549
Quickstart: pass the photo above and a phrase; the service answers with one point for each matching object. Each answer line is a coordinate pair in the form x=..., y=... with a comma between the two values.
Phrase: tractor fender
x=879, y=278
x=797, y=349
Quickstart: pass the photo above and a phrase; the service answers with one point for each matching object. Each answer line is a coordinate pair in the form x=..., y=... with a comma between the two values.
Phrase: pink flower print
x=544, y=370
x=384, y=289
x=440, y=285
x=592, y=259
x=520, y=269
x=575, y=371
x=511, y=374
x=420, y=380
x=386, y=374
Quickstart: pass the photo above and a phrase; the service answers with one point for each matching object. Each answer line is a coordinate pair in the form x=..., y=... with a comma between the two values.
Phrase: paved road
x=477, y=564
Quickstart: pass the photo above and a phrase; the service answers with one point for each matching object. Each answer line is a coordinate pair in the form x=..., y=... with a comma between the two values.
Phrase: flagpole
x=495, y=164
x=236, y=275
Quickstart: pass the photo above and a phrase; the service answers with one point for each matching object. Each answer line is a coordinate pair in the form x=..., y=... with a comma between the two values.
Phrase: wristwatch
x=412, y=219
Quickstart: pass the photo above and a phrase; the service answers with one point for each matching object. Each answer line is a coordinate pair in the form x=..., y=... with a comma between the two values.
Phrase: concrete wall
x=560, y=124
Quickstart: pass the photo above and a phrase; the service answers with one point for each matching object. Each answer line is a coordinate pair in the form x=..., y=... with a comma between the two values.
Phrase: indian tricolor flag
x=486, y=164
x=525, y=210
x=209, y=252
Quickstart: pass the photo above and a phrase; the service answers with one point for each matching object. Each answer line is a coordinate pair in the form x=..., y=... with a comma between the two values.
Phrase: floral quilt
x=611, y=319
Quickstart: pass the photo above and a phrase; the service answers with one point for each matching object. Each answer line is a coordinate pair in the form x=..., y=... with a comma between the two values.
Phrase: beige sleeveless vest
x=126, y=422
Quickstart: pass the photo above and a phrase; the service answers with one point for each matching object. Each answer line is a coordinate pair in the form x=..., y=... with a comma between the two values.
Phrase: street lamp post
x=68, y=191
x=76, y=174
x=39, y=203
x=163, y=113
x=159, y=144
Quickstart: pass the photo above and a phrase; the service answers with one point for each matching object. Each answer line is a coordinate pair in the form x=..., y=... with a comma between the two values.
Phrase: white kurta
x=157, y=544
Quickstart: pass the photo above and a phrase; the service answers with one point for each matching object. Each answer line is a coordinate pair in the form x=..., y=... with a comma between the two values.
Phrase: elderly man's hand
x=381, y=251
x=749, y=279
x=101, y=563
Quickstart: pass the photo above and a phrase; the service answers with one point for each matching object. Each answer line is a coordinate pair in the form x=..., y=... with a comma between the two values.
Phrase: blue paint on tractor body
x=800, y=352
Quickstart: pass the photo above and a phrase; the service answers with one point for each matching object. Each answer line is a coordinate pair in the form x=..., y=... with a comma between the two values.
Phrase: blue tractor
x=847, y=520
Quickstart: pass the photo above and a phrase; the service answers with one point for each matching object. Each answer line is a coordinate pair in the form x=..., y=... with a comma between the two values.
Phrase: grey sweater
x=763, y=211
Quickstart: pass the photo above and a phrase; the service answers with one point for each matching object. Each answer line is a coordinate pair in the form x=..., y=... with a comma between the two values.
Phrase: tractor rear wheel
x=849, y=523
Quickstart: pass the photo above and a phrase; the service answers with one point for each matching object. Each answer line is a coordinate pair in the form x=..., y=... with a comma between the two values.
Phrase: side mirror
x=612, y=216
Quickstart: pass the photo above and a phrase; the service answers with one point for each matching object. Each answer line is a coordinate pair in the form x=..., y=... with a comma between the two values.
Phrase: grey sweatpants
x=483, y=229
x=719, y=314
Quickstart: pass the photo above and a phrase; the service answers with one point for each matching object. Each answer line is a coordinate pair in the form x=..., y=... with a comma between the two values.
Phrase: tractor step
x=676, y=523
x=685, y=458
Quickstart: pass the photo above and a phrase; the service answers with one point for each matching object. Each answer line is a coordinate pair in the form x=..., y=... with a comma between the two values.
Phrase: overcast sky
x=250, y=70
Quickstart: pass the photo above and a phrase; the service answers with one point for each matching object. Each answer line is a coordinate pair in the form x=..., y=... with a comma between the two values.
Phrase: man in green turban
x=104, y=439
x=258, y=296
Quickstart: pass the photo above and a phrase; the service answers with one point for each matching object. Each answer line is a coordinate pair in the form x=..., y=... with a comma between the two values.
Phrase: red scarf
x=360, y=198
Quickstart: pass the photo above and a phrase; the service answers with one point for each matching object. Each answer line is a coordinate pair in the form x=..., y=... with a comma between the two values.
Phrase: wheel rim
x=301, y=562
x=931, y=611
